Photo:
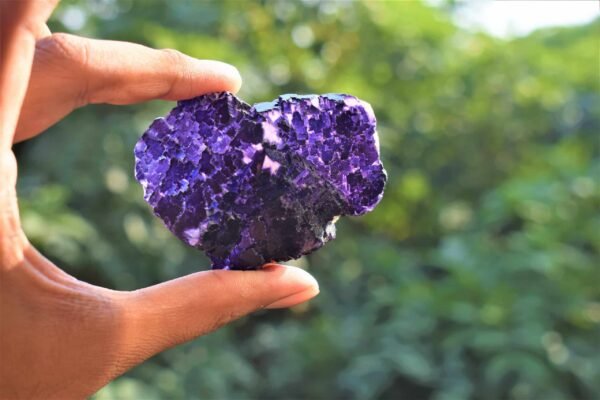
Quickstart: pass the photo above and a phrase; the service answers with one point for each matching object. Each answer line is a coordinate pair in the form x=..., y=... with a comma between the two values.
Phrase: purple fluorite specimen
x=250, y=185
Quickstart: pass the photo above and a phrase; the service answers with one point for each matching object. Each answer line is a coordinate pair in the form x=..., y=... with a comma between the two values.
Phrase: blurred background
x=478, y=275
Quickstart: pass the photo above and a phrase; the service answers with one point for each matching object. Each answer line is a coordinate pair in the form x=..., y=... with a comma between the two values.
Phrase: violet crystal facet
x=250, y=185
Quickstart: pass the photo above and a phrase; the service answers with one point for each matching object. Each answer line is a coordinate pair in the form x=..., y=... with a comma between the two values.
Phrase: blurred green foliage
x=478, y=276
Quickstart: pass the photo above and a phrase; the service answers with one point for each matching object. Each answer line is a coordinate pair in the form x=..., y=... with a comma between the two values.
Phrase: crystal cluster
x=254, y=184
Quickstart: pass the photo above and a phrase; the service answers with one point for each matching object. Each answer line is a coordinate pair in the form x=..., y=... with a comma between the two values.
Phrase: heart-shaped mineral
x=250, y=185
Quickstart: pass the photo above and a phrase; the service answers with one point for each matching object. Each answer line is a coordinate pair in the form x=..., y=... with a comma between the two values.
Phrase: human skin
x=61, y=338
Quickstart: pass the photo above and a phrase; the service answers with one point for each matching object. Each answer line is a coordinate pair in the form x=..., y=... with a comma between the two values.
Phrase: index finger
x=19, y=22
x=114, y=72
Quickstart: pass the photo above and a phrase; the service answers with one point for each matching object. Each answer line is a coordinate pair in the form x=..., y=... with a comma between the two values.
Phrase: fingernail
x=227, y=72
x=295, y=299
x=305, y=285
x=234, y=73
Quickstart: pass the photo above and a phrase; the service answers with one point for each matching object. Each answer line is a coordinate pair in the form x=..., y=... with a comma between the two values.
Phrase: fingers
x=177, y=311
x=137, y=73
x=70, y=71
x=124, y=73
x=19, y=24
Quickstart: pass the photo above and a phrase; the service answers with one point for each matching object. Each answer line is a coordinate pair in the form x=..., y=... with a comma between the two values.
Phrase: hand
x=59, y=337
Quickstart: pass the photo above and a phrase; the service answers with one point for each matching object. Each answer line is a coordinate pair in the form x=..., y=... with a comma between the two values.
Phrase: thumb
x=177, y=311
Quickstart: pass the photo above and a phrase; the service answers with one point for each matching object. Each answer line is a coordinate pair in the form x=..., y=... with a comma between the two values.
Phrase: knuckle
x=178, y=70
x=70, y=54
x=173, y=56
x=61, y=44
x=73, y=53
